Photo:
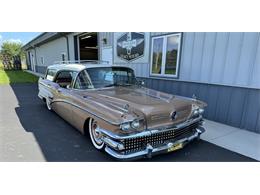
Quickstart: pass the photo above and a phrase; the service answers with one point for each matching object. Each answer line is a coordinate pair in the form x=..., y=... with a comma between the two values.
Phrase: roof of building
x=44, y=38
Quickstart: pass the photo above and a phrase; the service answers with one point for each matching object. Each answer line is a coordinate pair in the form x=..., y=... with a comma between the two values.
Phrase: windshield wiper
x=118, y=84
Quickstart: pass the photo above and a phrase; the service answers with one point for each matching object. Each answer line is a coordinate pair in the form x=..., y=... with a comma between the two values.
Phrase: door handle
x=58, y=90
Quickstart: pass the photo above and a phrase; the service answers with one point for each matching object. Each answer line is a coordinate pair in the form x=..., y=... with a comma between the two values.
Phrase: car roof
x=79, y=67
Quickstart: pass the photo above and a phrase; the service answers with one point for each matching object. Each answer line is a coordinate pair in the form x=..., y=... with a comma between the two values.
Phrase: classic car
x=120, y=115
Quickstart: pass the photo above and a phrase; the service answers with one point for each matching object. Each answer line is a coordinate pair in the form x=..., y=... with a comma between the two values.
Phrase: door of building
x=32, y=62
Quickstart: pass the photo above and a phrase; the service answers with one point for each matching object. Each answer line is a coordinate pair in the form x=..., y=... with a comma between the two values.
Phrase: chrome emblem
x=173, y=115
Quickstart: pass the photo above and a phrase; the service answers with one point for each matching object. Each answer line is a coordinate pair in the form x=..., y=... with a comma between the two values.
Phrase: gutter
x=49, y=37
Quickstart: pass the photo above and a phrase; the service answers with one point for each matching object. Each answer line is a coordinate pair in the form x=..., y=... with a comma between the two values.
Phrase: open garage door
x=88, y=46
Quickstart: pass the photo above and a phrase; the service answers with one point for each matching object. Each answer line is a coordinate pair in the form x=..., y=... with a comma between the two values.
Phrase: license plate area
x=175, y=147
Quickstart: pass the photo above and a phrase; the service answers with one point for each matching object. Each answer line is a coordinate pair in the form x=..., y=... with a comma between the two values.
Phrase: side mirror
x=41, y=78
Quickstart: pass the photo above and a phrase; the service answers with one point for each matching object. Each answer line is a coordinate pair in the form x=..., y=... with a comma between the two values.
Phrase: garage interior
x=88, y=46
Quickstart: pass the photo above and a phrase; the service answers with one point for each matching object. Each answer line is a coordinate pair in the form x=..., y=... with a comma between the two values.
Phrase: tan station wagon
x=120, y=116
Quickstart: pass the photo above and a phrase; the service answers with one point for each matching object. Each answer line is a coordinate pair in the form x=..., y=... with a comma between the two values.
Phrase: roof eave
x=40, y=40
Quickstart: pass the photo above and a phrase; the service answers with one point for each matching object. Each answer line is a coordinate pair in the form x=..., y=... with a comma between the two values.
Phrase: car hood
x=154, y=107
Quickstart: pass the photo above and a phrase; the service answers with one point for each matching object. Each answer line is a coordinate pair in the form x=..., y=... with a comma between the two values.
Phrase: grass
x=15, y=76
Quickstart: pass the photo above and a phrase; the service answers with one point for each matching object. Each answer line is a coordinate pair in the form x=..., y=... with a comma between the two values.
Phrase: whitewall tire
x=48, y=103
x=94, y=136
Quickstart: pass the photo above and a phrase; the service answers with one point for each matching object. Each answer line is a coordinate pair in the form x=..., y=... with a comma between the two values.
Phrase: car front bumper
x=115, y=148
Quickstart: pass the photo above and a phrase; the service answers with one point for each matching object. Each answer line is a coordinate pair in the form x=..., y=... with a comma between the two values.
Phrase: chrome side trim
x=77, y=106
x=40, y=96
x=92, y=113
x=43, y=84
x=149, y=151
x=145, y=133
x=44, y=90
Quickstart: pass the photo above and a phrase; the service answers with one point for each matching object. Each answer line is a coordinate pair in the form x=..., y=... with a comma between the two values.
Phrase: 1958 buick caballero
x=120, y=116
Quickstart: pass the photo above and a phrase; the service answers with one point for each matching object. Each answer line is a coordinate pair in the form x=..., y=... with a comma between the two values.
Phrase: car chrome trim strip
x=77, y=106
x=112, y=143
x=43, y=84
x=149, y=151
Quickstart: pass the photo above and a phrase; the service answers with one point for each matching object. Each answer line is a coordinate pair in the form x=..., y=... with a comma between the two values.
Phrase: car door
x=78, y=113
x=46, y=85
x=62, y=103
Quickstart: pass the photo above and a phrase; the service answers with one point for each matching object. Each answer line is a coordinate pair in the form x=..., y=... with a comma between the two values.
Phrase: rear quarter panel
x=44, y=88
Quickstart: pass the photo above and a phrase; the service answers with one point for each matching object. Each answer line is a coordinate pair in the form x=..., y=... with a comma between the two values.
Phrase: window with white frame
x=165, y=55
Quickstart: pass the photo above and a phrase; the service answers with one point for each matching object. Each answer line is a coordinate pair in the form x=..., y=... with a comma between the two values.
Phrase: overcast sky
x=23, y=37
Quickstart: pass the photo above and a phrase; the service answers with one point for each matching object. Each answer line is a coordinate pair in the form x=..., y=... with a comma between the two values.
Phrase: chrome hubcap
x=48, y=104
x=96, y=135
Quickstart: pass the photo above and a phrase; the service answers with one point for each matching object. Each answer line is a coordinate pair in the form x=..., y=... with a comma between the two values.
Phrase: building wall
x=106, y=46
x=219, y=68
x=51, y=52
x=231, y=59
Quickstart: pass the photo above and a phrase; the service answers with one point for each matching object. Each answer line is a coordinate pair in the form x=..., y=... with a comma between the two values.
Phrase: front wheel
x=94, y=135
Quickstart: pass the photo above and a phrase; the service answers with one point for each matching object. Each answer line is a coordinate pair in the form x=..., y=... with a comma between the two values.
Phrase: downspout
x=68, y=48
x=35, y=59
x=67, y=42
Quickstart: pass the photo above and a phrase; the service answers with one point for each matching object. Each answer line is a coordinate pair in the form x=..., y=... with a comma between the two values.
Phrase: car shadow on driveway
x=60, y=142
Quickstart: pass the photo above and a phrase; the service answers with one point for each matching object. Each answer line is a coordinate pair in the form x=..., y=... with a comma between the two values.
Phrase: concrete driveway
x=29, y=132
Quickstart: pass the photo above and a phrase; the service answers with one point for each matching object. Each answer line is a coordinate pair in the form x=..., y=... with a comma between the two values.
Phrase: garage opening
x=88, y=46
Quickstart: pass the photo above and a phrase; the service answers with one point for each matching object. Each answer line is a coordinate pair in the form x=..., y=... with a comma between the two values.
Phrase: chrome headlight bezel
x=135, y=124
x=196, y=110
x=201, y=111
x=125, y=126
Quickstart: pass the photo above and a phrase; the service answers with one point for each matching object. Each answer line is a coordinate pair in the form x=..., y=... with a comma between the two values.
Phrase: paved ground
x=235, y=139
x=28, y=132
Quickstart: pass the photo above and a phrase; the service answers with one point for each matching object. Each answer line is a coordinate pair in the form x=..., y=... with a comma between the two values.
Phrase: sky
x=22, y=37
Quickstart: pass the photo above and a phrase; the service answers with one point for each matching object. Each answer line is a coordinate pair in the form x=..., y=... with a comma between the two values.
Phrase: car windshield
x=100, y=77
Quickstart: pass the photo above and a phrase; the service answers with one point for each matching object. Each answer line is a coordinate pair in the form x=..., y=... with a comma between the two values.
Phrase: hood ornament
x=126, y=107
x=173, y=115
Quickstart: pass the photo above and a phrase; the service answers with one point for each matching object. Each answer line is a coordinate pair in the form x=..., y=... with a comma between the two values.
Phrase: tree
x=9, y=52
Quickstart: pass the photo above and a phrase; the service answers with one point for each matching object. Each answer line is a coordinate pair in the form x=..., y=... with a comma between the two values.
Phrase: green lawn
x=18, y=76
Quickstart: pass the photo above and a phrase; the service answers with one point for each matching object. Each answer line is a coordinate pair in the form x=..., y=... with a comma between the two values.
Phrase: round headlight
x=135, y=124
x=125, y=126
x=196, y=112
x=201, y=111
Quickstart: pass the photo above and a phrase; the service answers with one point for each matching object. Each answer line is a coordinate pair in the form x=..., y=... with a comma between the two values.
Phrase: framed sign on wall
x=131, y=47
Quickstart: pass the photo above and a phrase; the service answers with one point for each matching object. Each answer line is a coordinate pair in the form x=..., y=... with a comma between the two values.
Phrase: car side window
x=64, y=78
x=83, y=81
x=50, y=74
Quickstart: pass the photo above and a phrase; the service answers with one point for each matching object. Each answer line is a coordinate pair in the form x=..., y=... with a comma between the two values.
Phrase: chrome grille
x=157, y=139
